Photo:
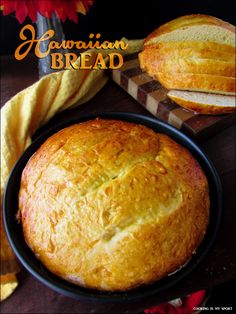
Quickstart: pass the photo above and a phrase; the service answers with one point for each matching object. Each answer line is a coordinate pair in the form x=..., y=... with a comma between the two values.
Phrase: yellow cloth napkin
x=27, y=111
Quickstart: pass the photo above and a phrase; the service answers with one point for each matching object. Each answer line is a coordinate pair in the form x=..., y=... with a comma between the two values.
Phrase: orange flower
x=62, y=8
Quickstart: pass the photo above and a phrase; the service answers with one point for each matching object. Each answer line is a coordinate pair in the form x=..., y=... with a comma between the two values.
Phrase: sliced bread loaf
x=204, y=103
x=193, y=53
x=194, y=28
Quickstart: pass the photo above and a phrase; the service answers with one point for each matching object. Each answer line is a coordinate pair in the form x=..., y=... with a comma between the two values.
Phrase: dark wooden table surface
x=218, y=267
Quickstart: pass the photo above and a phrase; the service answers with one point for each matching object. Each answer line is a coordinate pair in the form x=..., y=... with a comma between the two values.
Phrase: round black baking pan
x=34, y=266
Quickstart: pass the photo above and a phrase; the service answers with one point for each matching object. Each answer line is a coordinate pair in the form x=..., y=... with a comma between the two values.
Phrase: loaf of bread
x=193, y=53
x=204, y=103
x=112, y=205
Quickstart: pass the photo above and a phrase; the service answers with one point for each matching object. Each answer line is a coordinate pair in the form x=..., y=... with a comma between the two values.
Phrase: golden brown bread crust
x=112, y=205
x=188, y=57
x=197, y=82
x=189, y=20
x=157, y=63
x=149, y=55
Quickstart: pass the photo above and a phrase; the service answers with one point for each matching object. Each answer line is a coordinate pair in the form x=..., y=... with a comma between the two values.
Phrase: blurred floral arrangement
x=63, y=9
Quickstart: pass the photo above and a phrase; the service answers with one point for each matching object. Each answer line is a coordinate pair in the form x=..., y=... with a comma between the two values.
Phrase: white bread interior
x=198, y=33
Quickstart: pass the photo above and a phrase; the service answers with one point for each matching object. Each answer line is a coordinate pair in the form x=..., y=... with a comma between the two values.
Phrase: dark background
x=117, y=18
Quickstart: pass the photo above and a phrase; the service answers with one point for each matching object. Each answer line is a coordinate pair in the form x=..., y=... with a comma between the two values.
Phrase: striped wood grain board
x=153, y=96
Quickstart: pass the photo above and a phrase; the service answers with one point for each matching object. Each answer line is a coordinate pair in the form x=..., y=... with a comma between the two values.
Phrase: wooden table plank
x=33, y=297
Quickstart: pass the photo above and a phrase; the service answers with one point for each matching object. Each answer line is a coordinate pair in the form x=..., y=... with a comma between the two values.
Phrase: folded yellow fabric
x=31, y=108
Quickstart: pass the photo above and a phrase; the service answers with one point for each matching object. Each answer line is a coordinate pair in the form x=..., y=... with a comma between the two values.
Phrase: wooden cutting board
x=153, y=96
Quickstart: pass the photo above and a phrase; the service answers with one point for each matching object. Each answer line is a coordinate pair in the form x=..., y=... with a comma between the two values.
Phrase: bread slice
x=190, y=49
x=192, y=65
x=197, y=82
x=194, y=27
x=198, y=32
x=205, y=47
x=204, y=103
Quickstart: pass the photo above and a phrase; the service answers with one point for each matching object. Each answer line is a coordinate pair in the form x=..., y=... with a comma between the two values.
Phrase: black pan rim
x=80, y=293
